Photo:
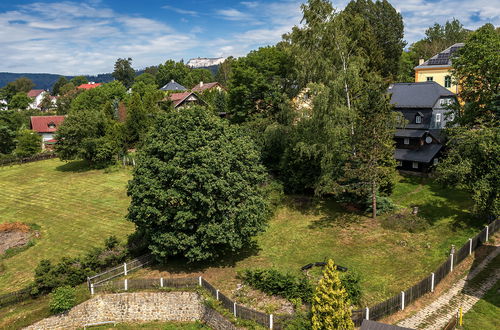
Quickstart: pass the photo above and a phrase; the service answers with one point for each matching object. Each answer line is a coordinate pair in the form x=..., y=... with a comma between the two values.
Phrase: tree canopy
x=124, y=72
x=197, y=191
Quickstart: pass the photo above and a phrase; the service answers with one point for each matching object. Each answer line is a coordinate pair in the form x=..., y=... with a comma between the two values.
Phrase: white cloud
x=181, y=11
x=75, y=38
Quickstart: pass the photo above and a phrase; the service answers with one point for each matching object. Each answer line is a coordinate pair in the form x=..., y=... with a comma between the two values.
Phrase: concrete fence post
x=367, y=313
x=451, y=262
x=402, y=300
x=470, y=246
x=432, y=282
x=270, y=321
x=217, y=294
x=125, y=284
x=234, y=309
x=199, y=280
x=487, y=233
x=92, y=288
x=161, y=282
x=125, y=268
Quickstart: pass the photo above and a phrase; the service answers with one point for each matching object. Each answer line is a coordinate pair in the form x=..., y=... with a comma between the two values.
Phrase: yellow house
x=438, y=69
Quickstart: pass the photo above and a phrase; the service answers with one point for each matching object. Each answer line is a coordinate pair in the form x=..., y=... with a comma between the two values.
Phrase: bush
x=62, y=299
x=300, y=321
x=350, y=281
x=384, y=205
x=29, y=143
x=273, y=282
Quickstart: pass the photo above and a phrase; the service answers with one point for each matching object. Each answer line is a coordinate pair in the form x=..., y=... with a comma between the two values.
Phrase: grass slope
x=76, y=209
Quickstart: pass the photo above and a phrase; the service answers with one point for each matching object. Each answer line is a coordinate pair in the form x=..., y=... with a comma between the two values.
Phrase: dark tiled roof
x=173, y=86
x=409, y=133
x=372, y=325
x=417, y=95
x=442, y=59
x=423, y=154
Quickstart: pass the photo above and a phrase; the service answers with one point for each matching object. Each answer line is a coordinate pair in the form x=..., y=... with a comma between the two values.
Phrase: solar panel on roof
x=443, y=55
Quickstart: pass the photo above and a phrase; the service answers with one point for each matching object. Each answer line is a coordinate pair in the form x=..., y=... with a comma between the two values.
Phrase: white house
x=46, y=126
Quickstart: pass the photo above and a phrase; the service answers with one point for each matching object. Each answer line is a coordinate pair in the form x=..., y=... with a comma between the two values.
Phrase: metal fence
x=12, y=161
x=14, y=297
x=117, y=271
x=404, y=298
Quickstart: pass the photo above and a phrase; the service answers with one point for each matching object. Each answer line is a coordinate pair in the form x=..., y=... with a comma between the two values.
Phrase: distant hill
x=47, y=80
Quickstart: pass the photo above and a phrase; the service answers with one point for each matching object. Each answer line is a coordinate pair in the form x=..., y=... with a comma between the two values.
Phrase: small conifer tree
x=331, y=305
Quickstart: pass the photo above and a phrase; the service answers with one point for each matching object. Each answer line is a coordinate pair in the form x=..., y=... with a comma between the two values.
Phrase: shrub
x=300, y=320
x=350, y=281
x=273, y=282
x=29, y=143
x=384, y=205
x=62, y=299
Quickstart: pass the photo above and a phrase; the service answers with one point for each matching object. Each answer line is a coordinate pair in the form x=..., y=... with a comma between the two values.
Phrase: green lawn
x=76, y=209
x=305, y=231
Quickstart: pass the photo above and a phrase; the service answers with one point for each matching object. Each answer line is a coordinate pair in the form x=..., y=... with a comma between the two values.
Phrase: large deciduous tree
x=197, y=191
x=124, y=72
x=331, y=306
x=477, y=69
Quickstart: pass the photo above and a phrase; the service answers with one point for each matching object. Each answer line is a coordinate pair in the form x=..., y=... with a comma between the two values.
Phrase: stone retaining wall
x=137, y=307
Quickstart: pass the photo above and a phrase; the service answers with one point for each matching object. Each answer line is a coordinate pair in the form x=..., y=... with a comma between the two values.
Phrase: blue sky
x=71, y=37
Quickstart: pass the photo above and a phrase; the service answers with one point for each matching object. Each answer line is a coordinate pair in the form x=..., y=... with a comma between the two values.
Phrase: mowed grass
x=76, y=209
x=305, y=231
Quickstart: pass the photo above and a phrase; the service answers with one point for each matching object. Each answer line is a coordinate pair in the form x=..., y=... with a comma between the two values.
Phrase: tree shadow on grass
x=180, y=265
x=75, y=166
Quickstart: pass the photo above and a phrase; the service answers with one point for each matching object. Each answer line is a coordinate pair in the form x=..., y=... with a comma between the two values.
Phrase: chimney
x=201, y=83
x=421, y=61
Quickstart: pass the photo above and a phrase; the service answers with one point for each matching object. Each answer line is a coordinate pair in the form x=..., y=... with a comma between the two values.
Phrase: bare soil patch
x=14, y=234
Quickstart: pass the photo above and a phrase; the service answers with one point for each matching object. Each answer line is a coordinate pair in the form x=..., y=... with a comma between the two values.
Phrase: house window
x=451, y=116
x=430, y=78
x=407, y=141
x=438, y=117
x=447, y=81
x=400, y=163
x=414, y=165
x=418, y=119
x=435, y=162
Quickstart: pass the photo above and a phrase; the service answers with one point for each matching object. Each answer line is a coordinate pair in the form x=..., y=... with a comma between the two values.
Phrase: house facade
x=424, y=109
x=438, y=69
x=46, y=126
x=37, y=96
x=182, y=100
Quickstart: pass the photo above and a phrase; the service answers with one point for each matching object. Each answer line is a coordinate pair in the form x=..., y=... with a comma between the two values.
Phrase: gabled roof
x=35, y=92
x=204, y=86
x=178, y=98
x=442, y=59
x=423, y=154
x=173, y=86
x=89, y=85
x=417, y=95
x=46, y=124
x=409, y=133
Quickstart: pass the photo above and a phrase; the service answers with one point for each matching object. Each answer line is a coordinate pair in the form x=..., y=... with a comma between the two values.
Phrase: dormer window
x=51, y=125
x=418, y=119
x=430, y=78
x=407, y=141
x=438, y=117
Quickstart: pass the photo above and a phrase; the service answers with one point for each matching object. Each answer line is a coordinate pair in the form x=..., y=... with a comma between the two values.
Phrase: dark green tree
x=137, y=123
x=21, y=85
x=79, y=80
x=172, y=70
x=124, y=72
x=58, y=84
x=97, y=98
x=199, y=75
x=28, y=143
x=146, y=78
x=20, y=101
x=7, y=139
x=197, y=189
x=477, y=69
x=223, y=74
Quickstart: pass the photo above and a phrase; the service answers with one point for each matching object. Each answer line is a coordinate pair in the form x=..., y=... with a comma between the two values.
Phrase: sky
x=86, y=37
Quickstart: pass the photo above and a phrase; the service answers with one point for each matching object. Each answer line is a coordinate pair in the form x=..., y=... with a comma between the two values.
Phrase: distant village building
x=173, y=86
x=424, y=106
x=89, y=85
x=37, y=96
x=204, y=62
x=181, y=100
x=201, y=87
x=46, y=126
x=438, y=68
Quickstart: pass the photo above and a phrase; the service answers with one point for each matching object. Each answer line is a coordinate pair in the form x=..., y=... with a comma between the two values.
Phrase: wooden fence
x=14, y=161
x=14, y=297
x=404, y=298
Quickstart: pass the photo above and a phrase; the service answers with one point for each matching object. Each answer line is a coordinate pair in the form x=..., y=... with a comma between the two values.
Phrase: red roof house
x=35, y=92
x=183, y=99
x=90, y=85
x=201, y=87
x=46, y=126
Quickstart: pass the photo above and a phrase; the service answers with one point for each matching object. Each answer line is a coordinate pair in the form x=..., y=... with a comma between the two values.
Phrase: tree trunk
x=374, y=201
